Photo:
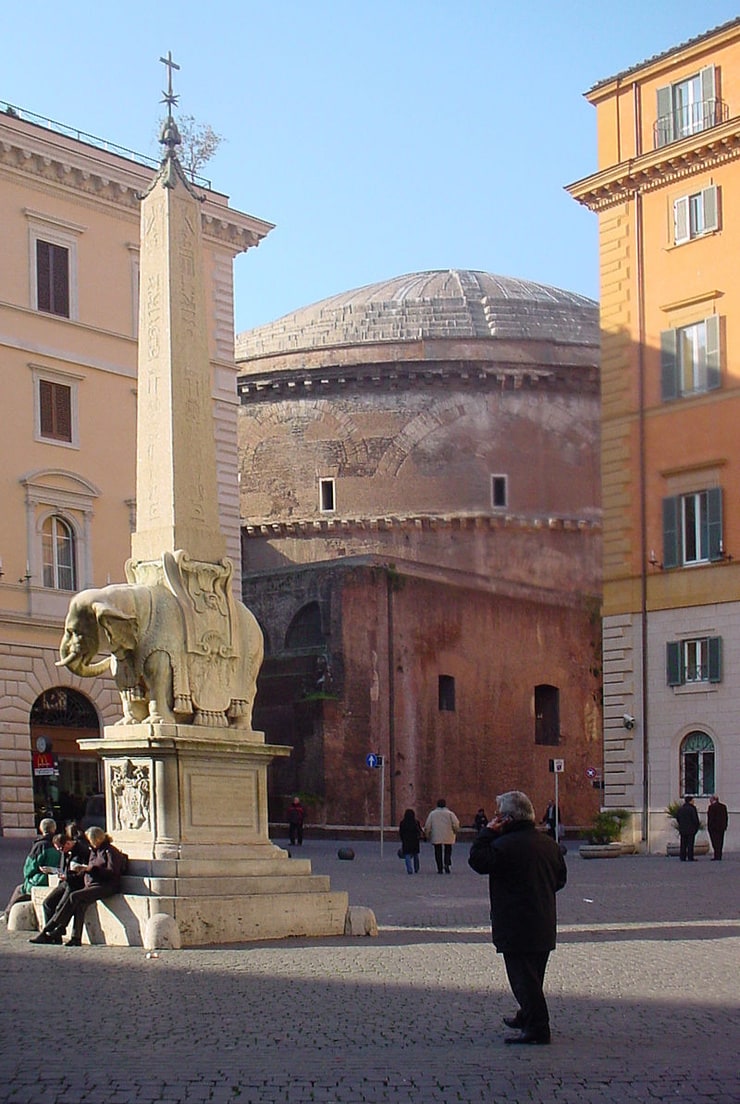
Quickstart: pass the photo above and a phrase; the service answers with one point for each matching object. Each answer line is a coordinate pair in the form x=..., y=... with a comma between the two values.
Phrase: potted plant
x=701, y=846
x=604, y=836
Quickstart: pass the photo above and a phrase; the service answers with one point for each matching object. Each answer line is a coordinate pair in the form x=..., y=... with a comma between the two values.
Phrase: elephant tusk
x=85, y=670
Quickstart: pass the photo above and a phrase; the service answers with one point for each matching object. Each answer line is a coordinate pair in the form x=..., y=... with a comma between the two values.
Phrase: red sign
x=45, y=764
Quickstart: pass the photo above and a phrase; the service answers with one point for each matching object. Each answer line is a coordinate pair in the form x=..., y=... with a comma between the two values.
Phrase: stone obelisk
x=186, y=776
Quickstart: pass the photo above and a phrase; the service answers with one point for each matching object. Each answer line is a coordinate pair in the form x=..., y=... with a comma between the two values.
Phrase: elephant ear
x=120, y=628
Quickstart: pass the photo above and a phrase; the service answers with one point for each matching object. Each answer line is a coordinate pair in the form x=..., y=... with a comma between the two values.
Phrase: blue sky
x=381, y=136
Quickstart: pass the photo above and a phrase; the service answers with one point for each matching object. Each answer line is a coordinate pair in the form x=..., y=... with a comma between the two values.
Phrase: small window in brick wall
x=446, y=693
x=499, y=492
x=546, y=715
x=327, y=496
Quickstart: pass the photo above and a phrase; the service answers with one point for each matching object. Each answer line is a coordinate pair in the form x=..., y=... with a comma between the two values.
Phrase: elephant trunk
x=78, y=663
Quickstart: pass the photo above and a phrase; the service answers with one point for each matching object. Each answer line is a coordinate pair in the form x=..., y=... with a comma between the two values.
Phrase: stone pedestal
x=189, y=807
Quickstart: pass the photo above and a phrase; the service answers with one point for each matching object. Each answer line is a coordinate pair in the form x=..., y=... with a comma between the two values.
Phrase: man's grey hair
x=516, y=805
x=47, y=826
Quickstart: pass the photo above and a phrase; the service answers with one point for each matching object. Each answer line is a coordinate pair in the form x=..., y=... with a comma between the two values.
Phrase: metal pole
x=382, y=801
x=557, y=806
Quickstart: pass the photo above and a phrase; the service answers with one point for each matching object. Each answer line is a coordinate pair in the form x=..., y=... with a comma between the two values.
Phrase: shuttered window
x=690, y=661
x=692, y=528
x=690, y=359
x=686, y=107
x=55, y=410
x=695, y=215
x=52, y=278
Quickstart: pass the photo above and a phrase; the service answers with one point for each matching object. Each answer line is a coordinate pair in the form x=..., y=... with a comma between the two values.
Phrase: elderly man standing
x=525, y=870
x=440, y=829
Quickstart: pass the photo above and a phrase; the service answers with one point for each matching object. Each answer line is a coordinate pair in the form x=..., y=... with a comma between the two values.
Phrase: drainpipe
x=642, y=451
x=391, y=695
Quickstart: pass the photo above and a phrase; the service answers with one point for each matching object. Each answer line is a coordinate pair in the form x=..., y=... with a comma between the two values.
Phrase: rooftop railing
x=16, y=112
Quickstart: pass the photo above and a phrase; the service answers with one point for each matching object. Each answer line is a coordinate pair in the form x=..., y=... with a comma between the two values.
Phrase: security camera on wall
x=628, y=721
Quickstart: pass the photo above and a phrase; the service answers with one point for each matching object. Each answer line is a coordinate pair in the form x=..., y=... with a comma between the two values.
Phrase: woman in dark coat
x=411, y=835
x=525, y=870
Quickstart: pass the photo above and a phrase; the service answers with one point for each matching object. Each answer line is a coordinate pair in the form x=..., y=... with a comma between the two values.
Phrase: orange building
x=69, y=265
x=667, y=192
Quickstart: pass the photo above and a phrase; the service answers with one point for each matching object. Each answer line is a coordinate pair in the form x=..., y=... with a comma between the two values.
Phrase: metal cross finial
x=169, y=97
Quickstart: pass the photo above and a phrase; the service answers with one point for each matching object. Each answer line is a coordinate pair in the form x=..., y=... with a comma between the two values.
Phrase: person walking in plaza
x=717, y=825
x=410, y=832
x=102, y=878
x=525, y=870
x=42, y=854
x=552, y=819
x=440, y=829
x=480, y=820
x=296, y=818
x=687, y=819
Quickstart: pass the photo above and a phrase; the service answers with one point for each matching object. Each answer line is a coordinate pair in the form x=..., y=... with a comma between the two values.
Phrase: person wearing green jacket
x=42, y=854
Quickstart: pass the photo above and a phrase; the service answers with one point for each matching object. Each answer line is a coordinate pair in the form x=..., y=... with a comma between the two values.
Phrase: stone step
x=223, y=886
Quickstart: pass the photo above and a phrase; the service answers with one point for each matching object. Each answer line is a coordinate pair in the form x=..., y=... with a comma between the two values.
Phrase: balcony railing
x=690, y=119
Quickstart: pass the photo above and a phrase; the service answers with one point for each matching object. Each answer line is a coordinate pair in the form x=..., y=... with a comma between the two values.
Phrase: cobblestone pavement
x=643, y=992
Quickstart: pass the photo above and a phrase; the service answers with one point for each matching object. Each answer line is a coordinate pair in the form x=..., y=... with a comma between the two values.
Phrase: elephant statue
x=180, y=653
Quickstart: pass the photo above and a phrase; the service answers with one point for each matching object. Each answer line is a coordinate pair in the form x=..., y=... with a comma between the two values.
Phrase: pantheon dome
x=421, y=539
x=441, y=306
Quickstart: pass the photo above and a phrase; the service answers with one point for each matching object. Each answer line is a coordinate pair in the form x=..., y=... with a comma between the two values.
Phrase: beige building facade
x=69, y=291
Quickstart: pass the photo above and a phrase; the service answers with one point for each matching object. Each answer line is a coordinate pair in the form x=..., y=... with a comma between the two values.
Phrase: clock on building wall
x=43, y=743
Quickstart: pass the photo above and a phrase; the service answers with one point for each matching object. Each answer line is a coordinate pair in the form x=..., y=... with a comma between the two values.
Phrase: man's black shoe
x=536, y=1039
x=514, y=1021
x=46, y=937
x=73, y=942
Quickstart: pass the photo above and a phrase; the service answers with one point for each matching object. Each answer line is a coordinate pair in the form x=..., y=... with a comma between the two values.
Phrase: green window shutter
x=710, y=203
x=664, y=127
x=669, y=365
x=673, y=663
x=670, y=532
x=681, y=220
x=713, y=351
x=714, y=658
x=714, y=523
x=709, y=97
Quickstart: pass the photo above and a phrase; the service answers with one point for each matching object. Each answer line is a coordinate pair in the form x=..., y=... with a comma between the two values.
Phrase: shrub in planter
x=607, y=826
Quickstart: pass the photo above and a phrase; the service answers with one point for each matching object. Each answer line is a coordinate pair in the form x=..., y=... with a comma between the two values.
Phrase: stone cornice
x=322, y=381
x=697, y=153
x=312, y=527
x=108, y=178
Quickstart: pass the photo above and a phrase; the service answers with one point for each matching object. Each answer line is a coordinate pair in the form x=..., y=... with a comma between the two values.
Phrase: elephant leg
x=158, y=674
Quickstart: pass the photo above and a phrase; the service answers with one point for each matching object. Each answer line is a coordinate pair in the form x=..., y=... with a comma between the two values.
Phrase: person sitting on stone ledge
x=102, y=878
x=75, y=850
x=42, y=853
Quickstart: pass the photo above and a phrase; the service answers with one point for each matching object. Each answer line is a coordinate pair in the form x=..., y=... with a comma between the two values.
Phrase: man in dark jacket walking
x=716, y=825
x=688, y=823
x=525, y=870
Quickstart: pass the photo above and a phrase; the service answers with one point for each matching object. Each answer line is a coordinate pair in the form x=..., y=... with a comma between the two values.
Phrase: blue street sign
x=374, y=760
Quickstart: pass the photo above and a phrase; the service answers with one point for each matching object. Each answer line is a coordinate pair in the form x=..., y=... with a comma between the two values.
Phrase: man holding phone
x=525, y=870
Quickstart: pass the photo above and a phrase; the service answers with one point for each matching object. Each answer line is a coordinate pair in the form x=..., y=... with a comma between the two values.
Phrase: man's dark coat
x=526, y=869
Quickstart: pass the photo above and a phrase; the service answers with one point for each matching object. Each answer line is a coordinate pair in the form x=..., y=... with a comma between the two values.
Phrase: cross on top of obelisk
x=169, y=97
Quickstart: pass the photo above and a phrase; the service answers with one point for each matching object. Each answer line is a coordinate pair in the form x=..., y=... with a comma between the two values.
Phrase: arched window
x=62, y=707
x=697, y=765
x=58, y=548
x=304, y=630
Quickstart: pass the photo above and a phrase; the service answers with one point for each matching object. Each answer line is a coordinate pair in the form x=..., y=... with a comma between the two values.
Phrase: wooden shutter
x=714, y=658
x=673, y=663
x=669, y=365
x=713, y=351
x=55, y=410
x=670, y=532
x=46, y=408
x=43, y=275
x=710, y=203
x=709, y=97
x=664, y=125
x=681, y=220
x=714, y=523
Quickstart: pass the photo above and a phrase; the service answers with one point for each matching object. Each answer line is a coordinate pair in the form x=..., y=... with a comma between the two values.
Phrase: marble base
x=189, y=807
